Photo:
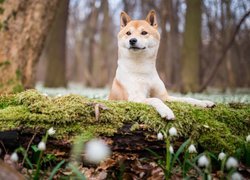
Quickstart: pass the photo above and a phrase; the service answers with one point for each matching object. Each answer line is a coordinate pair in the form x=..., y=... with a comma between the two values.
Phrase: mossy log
x=221, y=128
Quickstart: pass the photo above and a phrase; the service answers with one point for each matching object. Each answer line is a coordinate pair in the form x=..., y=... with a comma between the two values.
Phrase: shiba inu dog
x=136, y=77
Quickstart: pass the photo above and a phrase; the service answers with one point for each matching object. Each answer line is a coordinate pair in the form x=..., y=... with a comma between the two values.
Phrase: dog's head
x=138, y=36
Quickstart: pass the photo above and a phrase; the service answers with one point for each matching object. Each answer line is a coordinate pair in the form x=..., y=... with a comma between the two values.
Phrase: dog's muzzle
x=133, y=45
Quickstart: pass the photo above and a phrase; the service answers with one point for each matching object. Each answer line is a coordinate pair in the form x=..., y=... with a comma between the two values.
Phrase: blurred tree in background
x=55, y=49
x=24, y=26
x=190, y=53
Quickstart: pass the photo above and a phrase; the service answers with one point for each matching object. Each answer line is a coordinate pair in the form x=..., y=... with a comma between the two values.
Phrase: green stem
x=223, y=161
x=38, y=167
x=168, y=154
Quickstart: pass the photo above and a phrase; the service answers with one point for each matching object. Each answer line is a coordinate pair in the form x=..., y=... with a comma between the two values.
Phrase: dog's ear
x=124, y=19
x=151, y=19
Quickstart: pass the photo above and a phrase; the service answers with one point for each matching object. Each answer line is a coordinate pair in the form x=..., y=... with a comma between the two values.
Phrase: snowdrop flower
x=231, y=163
x=192, y=149
x=41, y=146
x=236, y=176
x=248, y=138
x=172, y=131
x=160, y=136
x=51, y=131
x=203, y=161
x=14, y=157
x=171, y=149
x=96, y=151
x=221, y=156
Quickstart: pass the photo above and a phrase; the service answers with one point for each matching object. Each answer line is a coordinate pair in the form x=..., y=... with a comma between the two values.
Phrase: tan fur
x=118, y=92
x=136, y=24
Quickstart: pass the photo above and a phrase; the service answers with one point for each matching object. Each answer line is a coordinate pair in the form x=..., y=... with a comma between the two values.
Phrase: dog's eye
x=128, y=33
x=144, y=33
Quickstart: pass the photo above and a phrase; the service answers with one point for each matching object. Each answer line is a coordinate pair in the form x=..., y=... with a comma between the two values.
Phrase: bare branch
x=221, y=58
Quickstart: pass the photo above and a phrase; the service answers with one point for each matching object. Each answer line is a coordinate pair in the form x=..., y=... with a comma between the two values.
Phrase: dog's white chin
x=137, y=49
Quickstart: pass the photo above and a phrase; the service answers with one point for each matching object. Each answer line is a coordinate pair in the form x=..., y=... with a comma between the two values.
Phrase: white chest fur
x=137, y=76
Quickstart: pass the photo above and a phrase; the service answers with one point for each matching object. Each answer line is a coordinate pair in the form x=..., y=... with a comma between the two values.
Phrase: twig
x=221, y=58
x=1, y=142
x=31, y=140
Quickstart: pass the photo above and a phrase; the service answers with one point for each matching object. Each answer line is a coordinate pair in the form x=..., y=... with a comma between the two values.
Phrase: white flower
x=160, y=136
x=41, y=146
x=171, y=149
x=231, y=163
x=236, y=176
x=221, y=156
x=45, y=94
x=248, y=138
x=51, y=131
x=172, y=131
x=192, y=149
x=203, y=161
x=96, y=151
x=14, y=157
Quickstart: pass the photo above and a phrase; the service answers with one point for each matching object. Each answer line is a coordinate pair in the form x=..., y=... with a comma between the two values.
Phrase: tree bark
x=102, y=65
x=162, y=55
x=191, y=47
x=56, y=49
x=24, y=25
x=174, y=45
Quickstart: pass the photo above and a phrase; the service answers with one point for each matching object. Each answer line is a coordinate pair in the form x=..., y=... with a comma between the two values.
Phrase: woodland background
x=203, y=43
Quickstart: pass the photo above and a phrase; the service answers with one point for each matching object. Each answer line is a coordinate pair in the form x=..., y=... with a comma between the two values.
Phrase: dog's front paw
x=167, y=113
x=170, y=115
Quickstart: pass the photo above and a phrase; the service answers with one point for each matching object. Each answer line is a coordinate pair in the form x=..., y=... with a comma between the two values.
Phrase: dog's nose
x=132, y=41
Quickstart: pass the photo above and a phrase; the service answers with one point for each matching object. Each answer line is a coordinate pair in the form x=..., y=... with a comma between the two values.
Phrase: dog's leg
x=160, y=107
x=196, y=102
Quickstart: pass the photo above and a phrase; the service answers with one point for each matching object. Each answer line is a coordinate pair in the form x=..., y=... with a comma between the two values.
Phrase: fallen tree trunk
x=128, y=126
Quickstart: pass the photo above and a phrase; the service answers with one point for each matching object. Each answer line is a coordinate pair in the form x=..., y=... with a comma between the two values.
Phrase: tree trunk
x=91, y=30
x=56, y=49
x=102, y=65
x=191, y=47
x=162, y=58
x=174, y=45
x=24, y=25
x=229, y=55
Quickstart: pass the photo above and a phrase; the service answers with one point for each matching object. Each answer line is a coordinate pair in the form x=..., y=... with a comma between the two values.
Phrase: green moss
x=18, y=74
x=6, y=62
x=17, y=88
x=223, y=127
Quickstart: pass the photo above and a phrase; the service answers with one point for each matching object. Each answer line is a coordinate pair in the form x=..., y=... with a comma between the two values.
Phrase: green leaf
x=35, y=148
x=179, y=151
x=154, y=153
x=212, y=155
x=54, y=171
x=77, y=172
x=195, y=167
x=23, y=151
